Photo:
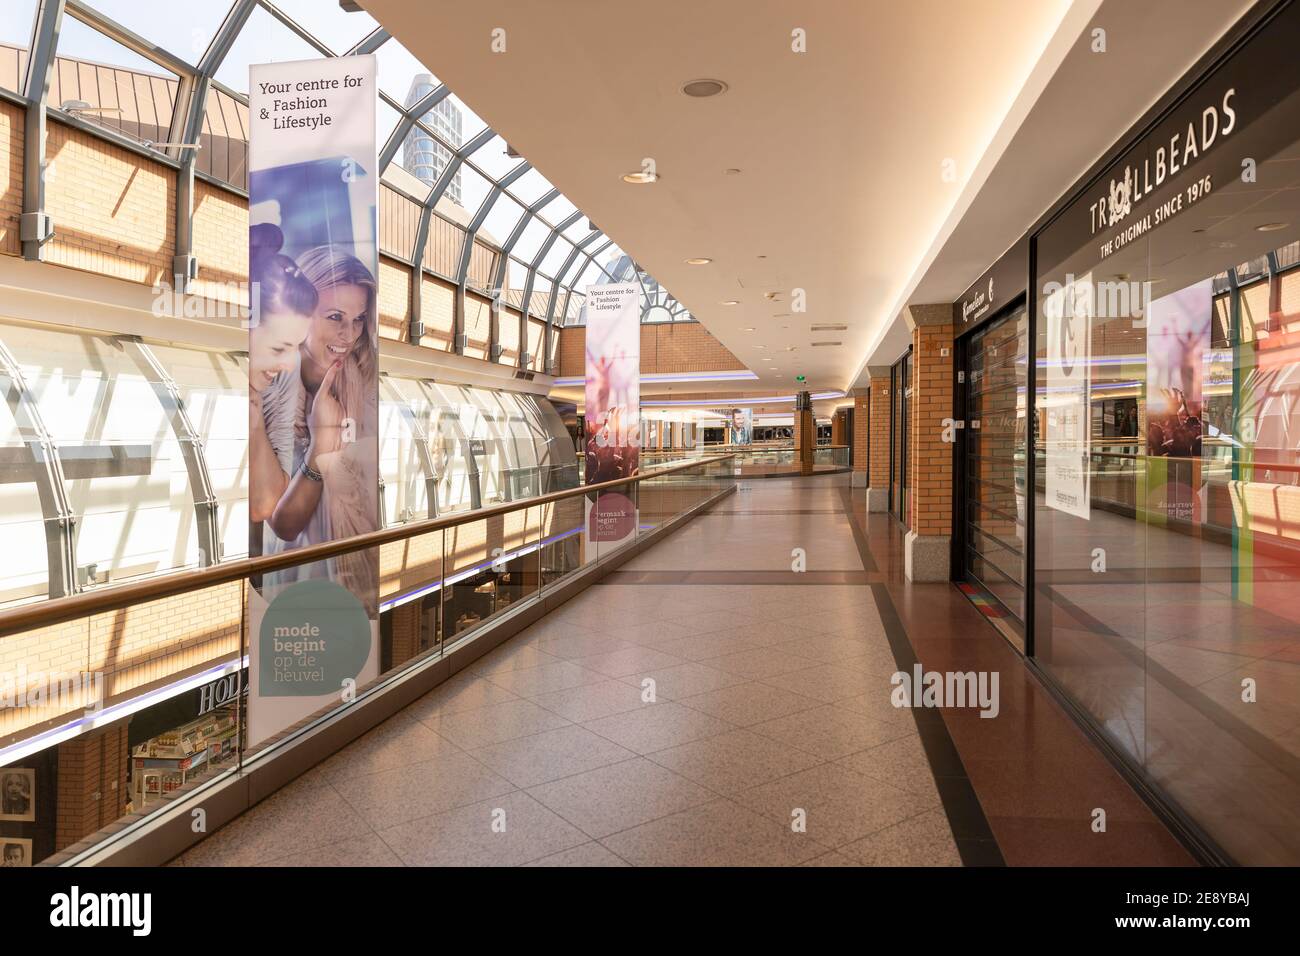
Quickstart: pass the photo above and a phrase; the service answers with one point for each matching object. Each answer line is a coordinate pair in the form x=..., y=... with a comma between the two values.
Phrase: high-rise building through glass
x=422, y=155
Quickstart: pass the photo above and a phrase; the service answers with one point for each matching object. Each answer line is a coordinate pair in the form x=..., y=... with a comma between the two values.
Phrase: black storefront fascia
x=998, y=292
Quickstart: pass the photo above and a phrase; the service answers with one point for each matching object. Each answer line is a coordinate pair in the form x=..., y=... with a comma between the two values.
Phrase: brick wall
x=861, y=437
x=91, y=783
x=437, y=308
x=219, y=219
x=114, y=213
x=672, y=347
x=394, y=300
x=930, y=458
x=11, y=176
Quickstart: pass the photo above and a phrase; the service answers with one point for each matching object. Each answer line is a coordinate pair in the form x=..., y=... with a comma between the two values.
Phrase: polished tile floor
x=706, y=704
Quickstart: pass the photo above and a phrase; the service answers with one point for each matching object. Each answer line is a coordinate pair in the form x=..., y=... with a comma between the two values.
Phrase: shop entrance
x=991, y=502
x=900, y=388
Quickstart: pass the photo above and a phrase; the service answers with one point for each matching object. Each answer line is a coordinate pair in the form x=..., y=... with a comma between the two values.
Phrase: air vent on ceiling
x=820, y=344
x=828, y=328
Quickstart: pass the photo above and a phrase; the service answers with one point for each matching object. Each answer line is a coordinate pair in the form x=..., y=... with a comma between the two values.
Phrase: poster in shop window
x=1067, y=311
x=613, y=408
x=1178, y=344
x=313, y=383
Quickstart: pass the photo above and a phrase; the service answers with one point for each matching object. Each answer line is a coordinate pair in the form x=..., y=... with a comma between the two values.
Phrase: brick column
x=805, y=433
x=406, y=631
x=838, y=436
x=861, y=446
x=880, y=439
x=929, y=457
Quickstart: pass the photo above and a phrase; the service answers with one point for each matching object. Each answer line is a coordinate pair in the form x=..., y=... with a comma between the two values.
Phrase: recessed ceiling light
x=750, y=329
x=730, y=302
x=760, y=346
x=640, y=177
x=698, y=261
x=703, y=88
x=1271, y=226
x=731, y=171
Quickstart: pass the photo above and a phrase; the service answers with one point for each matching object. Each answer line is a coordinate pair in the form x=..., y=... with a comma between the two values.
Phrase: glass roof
x=451, y=157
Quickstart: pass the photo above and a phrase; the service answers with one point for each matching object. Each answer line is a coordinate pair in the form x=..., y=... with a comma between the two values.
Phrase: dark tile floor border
x=970, y=827
x=740, y=577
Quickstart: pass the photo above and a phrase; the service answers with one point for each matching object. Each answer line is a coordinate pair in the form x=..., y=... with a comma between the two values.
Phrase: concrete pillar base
x=859, y=479
x=878, y=499
x=927, y=558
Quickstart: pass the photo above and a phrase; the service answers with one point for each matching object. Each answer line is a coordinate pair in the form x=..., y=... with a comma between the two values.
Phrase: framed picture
x=17, y=794
x=15, y=851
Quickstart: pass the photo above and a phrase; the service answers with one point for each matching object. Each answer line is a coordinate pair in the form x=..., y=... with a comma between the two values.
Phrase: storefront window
x=1167, y=537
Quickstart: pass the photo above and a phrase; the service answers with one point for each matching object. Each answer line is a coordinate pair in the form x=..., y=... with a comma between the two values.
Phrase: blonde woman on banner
x=332, y=494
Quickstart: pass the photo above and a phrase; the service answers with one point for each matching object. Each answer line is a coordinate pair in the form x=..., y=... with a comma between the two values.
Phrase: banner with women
x=313, y=391
x=612, y=408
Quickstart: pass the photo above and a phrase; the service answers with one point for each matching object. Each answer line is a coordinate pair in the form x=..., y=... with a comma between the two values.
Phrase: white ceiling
x=842, y=148
x=1090, y=101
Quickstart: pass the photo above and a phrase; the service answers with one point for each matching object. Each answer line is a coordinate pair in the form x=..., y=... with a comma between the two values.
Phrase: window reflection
x=1166, y=603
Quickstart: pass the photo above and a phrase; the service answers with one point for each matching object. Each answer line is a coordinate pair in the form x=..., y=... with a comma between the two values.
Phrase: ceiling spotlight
x=703, y=88
x=640, y=177
x=1271, y=226
x=730, y=302
x=698, y=261
x=750, y=329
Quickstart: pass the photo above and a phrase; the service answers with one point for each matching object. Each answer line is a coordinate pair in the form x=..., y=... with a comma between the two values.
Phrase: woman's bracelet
x=310, y=472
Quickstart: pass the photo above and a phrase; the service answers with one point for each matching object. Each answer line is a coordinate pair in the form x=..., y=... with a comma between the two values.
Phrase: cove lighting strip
x=98, y=718
x=660, y=378
x=769, y=400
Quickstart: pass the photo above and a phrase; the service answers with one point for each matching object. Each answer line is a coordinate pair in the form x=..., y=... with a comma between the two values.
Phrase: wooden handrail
x=59, y=610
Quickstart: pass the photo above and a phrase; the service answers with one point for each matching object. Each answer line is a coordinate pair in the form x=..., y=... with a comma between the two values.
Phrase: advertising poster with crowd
x=613, y=408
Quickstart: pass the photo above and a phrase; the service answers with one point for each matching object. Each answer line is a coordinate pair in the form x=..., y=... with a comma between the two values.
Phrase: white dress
x=283, y=402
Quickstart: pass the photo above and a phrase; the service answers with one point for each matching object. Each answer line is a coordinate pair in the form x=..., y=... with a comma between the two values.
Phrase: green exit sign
x=800, y=378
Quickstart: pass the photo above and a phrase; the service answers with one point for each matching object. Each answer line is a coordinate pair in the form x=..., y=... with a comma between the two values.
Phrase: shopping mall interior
x=745, y=433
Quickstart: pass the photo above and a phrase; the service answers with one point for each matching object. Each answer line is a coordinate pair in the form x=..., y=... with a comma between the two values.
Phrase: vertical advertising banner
x=613, y=407
x=313, y=382
x=1068, y=313
x=740, y=426
x=1178, y=346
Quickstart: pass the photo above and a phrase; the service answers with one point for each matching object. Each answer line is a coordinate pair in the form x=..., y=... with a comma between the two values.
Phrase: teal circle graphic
x=314, y=636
